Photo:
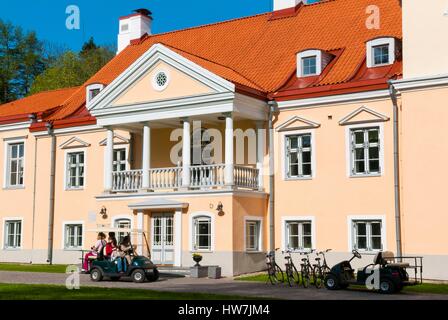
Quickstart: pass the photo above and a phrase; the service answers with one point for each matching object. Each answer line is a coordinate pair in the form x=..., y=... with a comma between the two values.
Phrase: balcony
x=205, y=177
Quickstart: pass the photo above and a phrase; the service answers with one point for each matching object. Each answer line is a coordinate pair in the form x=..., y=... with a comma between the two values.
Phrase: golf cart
x=393, y=275
x=139, y=270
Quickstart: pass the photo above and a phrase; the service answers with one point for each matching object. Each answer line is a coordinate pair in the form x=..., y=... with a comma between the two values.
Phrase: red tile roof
x=259, y=52
x=38, y=103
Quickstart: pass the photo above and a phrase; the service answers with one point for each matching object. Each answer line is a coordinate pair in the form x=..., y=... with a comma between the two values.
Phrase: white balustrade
x=165, y=178
x=207, y=176
x=127, y=181
x=246, y=177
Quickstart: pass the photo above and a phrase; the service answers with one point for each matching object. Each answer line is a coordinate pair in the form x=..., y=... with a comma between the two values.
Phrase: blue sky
x=99, y=18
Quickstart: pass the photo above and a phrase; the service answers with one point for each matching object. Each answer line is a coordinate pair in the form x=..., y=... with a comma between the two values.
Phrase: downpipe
x=52, y=191
x=397, y=195
x=272, y=111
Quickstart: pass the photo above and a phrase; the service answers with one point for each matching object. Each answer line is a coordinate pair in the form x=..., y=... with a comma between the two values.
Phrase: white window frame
x=285, y=220
x=370, y=45
x=192, y=231
x=89, y=89
x=259, y=220
x=284, y=155
x=122, y=217
x=7, y=164
x=124, y=161
x=309, y=54
x=4, y=240
x=351, y=233
x=349, y=155
x=64, y=234
x=66, y=173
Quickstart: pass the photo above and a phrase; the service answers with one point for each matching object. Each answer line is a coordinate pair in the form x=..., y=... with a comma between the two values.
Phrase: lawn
x=33, y=268
x=53, y=292
x=423, y=288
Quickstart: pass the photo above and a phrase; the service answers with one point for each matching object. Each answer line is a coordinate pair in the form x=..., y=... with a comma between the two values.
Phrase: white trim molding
x=286, y=219
x=420, y=82
x=78, y=222
x=348, y=118
x=348, y=148
x=78, y=143
x=6, y=169
x=350, y=234
x=304, y=124
x=22, y=233
x=260, y=233
x=191, y=231
x=284, y=158
x=370, y=45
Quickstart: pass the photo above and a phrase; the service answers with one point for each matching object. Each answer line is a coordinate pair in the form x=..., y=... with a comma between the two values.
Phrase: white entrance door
x=163, y=238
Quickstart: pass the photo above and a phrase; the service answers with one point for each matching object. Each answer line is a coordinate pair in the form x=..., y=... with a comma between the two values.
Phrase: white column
x=178, y=238
x=109, y=161
x=229, y=151
x=146, y=154
x=261, y=136
x=186, y=154
x=140, y=232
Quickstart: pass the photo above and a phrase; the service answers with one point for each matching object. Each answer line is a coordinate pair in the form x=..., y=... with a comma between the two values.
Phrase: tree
x=22, y=58
x=71, y=69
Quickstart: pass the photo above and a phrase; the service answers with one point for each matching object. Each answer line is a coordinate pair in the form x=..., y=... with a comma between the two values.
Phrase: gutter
x=52, y=192
x=397, y=195
x=272, y=110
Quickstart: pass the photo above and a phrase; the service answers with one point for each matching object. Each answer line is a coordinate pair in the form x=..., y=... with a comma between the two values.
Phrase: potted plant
x=197, y=258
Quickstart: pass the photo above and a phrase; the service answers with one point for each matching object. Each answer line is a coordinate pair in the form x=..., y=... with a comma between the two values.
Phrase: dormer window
x=312, y=62
x=92, y=91
x=380, y=52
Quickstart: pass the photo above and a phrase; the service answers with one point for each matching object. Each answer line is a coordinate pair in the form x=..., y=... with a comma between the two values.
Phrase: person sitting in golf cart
x=94, y=251
x=111, y=247
x=125, y=250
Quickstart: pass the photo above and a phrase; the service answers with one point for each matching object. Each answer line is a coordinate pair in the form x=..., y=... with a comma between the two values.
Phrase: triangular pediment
x=179, y=78
x=363, y=115
x=74, y=142
x=117, y=140
x=297, y=123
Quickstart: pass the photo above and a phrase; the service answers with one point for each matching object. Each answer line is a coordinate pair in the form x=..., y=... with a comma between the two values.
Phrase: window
x=13, y=234
x=92, y=91
x=75, y=170
x=125, y=27
x=16, y=154
x=160, y=80
x=119, y=160
x=365, y=151
x=73, y=236
x=381, y=51
x=299, y=235
x=367, y=235
x=122, y=224
x=309, y=66
x=202, y=233
x=381, y=54
x=253, y=235
x=298, y=156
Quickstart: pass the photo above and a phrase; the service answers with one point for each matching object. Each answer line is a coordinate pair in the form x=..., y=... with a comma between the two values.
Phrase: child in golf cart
x=94, y=251
x=123, y=253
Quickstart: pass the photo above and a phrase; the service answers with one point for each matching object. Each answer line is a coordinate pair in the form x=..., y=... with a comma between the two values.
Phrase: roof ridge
x=217, y=63
x=54, y=90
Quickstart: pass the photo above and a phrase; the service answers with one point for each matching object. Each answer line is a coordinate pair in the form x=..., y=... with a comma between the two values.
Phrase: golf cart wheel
x=96, y=275
x=387, y=286
x=154, y=276
x=138, y=276
x=331, y=282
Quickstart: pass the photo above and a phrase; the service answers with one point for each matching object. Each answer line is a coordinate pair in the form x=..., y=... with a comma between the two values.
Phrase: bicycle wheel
x=289, y=275
x=271, y=275
x=279, y=274
x=305, y=275
x=318, y=277
x=296, y=275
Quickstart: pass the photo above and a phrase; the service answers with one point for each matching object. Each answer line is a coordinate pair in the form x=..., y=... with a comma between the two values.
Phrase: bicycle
x=306, y=269
x=275, y=273
x=292, y=275
x=320, y=270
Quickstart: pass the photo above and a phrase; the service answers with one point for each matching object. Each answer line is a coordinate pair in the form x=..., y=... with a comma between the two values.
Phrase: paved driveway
x=221, y=286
